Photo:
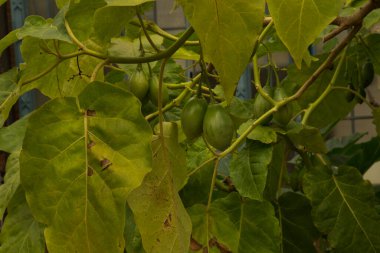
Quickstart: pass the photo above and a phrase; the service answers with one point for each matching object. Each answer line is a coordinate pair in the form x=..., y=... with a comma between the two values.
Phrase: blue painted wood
x=19, y=11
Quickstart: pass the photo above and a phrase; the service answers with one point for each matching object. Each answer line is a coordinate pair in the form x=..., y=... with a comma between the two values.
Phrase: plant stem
x=145, y=31
x=97, y=69
x=356, y=94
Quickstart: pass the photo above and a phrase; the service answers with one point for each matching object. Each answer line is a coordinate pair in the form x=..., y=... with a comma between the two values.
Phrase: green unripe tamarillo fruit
x=192, y=117
x=285, y=113
x=218, y=127
x=154, y=89
x=261, y=105
x=138, y=83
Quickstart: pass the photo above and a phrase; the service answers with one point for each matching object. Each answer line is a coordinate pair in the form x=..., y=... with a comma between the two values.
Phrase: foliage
x=111, y=162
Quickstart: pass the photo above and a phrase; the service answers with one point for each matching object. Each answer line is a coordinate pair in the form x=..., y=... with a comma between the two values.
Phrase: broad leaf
x=157, y=199
x=11, y=181
x=2, y=2
x=298, y=23
x=21, y=232
x=298, y=230
x=9, y=93
x=343, y=208
x=249, y=168
x=80, y=160
x=307, y=137
x=258, y=228
x=227, y=31
x=127, y=2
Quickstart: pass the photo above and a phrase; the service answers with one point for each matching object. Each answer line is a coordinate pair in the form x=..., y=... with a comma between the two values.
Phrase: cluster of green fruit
x=213, y=121
x=147, y=87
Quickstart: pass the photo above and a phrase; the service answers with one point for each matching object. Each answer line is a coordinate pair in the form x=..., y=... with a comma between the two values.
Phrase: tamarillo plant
x=97, y=169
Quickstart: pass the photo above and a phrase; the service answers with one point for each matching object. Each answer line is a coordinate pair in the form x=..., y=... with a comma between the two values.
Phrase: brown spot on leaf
x=91, y=144
x=105, y=163
x=194, y=245
x=90, y=172
x=168, y=221
x=90, y=112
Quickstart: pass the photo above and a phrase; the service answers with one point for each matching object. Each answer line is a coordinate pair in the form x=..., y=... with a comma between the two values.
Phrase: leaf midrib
x=352, y=212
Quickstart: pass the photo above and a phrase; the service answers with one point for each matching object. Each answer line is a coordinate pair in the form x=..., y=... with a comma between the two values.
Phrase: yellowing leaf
x=80, y=159
x=162, y=220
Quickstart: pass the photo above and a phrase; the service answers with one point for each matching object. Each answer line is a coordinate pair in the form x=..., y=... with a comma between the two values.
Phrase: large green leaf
x=298, y=230
x=343, y=208
x=227, y=31
x=11, y=181
x=2, y=2
x=126, y=2
x=9, y=93
x=80, y=160
x=373, y=47
x=299, y=22
x=21, y=232
x=157, y=199
x=257, y=227
x=249, y=168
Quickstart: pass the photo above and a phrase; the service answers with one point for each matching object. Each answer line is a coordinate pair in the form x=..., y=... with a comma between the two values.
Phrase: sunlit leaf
x=343, y=208
x=298, y=23
x=80, y=159
x=229, y=36
x=157, y=199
